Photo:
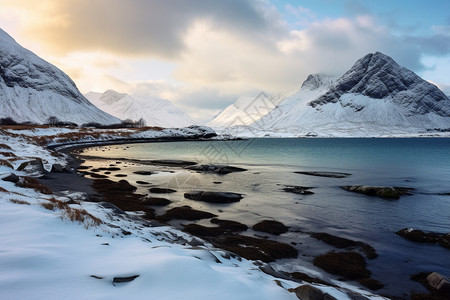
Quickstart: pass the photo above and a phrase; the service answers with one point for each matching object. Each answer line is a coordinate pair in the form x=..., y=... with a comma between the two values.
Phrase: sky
x=203, y=54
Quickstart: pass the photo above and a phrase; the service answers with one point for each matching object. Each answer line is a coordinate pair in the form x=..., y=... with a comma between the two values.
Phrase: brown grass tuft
x=8, y=154
x=5, y=163
x=4, y=146
x=82, y=216
x=33, y=183
x=19, y=201
x=3, y=190
x=48, y=205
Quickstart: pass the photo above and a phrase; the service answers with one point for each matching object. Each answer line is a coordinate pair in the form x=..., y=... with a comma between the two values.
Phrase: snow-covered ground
x=53, y=250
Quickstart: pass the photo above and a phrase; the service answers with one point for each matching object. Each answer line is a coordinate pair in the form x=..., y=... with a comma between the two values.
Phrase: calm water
x=423, y=164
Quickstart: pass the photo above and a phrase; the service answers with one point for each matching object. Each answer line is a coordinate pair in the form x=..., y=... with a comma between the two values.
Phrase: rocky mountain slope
x=155, y=112
x=32, y=89
x=376, y=97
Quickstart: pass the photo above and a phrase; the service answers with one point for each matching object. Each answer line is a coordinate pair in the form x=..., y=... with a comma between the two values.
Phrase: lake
x=419, y=163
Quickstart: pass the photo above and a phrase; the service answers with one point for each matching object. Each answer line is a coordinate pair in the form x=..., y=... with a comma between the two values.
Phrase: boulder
x=213, y=197
x=440, y=284
x=301, y=190
x=11, y=178
x=387, y=192
x=186, y=213
x=419, y=236
x=270, y=226
x=325, y=174
x=218, y=169
x=57, y=168
x=34, y=165
x=309, y=292
x=162, y=191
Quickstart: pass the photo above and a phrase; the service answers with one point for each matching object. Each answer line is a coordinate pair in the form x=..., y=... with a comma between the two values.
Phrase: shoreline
x=74, y=160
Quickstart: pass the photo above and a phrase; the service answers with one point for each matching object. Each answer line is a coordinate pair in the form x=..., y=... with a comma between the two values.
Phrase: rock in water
x=213, y=197
x=379, y=191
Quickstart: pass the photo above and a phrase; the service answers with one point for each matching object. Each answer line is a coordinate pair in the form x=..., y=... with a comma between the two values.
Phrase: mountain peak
x=316, y=81
x=378, y=76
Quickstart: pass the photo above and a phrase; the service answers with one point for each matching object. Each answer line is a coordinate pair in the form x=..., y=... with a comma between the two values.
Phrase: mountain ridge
x=32, y=89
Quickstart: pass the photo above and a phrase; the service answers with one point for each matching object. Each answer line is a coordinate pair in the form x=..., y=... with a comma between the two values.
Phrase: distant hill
x=155, y=111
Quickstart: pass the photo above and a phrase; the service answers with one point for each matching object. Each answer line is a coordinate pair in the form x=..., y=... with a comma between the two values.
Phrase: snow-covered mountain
x=376, y=97
x=32, y=89
x=155, y=112
x=246, y=110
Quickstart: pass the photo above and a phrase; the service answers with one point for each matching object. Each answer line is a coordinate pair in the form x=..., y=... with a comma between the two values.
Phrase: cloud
x=137, y=27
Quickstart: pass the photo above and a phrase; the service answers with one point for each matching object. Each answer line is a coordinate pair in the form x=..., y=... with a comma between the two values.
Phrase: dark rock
x=325, y=174
x=34, y=165
x=217, y=182
x=186, y=213
x=83, y=167
x=218, y=169
x=145, y=173
x=213, y=197
x=57, y=168
x=305, y=277
x=350, y=265
x=199, y=230
x=301, y=190
x=371, y=284
x=230, y=226
x=142, y=182
x=255, y=248
x=124, y=279
x=379, y=191
x=419, y=236
x=440, y=284
x=96, y=277
x=162, y=191
x=95, y=175
x=121, y=175
x=157, y=201
x=309, y=292
x=272, y=227
x=172, y=162
x=345, y=243
x=11, y=178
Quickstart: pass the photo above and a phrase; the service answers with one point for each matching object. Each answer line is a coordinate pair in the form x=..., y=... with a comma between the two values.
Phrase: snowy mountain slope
x=156, y=112
x=32, y=89
x=246, y=110
x=376, y=97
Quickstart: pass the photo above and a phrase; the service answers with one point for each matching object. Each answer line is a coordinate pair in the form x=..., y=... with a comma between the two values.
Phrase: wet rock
x=255, y=248
x=121, y=175
x=419, y=236
x=379, y=191
x=145, y=173
x=83, y=167
x=343, y=243
x=230, y=226
x=203, y=231
x=11, y=178
x=350, y=265
x=325, y=174
x=172, y=162
x=301, y=190
x=270, y=226
x=439, y=284
x=157, y=201
x=213, y=197
x=218, y=169
x=309, y=292
x=142, y=182
x=186, y=213
x=305, y=277
x=371, y=284
x=57, y=168
x=34, y=165
x=162, y=191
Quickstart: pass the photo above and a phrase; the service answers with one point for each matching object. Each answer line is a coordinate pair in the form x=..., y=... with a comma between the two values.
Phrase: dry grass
x=5, y=163
x=3, y=190
x=19, y=202
x=32, y=183
x=73, y=214
x=4, y=146
x=8, y=154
